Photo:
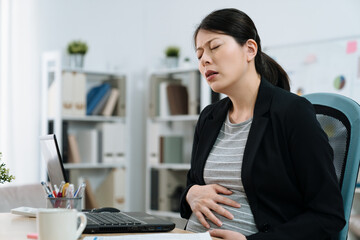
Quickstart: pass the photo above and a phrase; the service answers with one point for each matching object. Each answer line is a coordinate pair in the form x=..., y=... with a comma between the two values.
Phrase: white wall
x=131, y=36
x=20, y=91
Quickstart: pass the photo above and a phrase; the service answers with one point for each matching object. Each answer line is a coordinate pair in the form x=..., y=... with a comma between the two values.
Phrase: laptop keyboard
x=110, y=219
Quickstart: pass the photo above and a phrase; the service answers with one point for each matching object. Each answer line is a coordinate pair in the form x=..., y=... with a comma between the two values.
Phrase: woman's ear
x=252, y=48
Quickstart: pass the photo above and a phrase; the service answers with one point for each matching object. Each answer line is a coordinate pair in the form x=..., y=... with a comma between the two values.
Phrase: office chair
x=339, y=116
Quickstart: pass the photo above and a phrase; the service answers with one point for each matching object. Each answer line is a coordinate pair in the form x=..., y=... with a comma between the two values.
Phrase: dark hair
x=237, y=24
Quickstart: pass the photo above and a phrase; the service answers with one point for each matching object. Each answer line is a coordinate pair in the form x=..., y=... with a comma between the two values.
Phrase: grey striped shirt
x=223, y=167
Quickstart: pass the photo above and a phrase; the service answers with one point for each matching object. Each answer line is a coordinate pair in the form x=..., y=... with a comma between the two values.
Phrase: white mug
x=59, y=224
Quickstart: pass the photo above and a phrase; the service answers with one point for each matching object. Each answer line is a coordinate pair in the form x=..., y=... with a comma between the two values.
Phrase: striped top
x=223, y=167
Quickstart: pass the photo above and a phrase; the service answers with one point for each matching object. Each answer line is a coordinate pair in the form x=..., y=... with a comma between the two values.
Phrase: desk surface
x=14, y=227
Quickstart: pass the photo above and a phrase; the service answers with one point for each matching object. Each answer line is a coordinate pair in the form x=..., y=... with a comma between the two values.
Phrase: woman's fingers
x=222, y=211
x=205, y=199
x=220, y=233
x=210, y=215
x=201, y=219
x=221, y=189
x=226, y=234
x=227, y=201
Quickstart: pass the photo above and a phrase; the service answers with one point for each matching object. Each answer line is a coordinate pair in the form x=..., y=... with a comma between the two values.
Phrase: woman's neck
x=243, y=99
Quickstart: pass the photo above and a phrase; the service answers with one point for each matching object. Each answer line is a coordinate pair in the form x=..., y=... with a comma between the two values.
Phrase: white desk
x=14, y=227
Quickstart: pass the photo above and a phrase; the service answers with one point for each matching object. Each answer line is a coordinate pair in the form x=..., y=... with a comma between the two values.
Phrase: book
x=111, y=102
x=157, y=96
x=171, y=149
x=74, y=155
x=88, y=145
x=178, y=99
x=65, y=145
x=94, y=96
x=154, y=186
x=101, y=104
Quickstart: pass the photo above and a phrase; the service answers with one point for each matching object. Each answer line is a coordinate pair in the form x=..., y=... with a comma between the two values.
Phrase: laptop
x=105, y=220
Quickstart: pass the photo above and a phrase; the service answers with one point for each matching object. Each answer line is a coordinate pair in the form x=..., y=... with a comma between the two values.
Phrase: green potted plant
x=77, y=50
x=4, y=173
x=172, y=56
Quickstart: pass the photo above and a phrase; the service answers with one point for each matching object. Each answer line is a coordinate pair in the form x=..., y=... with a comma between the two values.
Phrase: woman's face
x=222, y=61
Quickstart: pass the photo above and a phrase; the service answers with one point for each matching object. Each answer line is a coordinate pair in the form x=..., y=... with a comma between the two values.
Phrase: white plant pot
x=77, y=60
x=172, y=62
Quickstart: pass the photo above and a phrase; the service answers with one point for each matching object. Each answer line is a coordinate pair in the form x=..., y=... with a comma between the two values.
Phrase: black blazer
x=287, y=172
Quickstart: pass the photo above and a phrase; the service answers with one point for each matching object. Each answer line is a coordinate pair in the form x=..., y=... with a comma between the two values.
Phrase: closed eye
x=215, y=47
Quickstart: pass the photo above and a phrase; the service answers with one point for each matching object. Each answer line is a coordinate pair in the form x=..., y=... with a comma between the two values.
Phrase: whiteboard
x=327, y=66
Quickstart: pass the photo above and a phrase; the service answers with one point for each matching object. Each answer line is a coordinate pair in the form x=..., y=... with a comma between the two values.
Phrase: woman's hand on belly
x=205, y=199
x=226, y=234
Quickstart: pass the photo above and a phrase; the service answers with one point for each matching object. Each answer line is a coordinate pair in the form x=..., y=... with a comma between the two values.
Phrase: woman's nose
x=205, y=59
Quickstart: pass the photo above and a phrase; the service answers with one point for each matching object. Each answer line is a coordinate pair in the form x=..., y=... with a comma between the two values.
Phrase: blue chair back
x=339, y=116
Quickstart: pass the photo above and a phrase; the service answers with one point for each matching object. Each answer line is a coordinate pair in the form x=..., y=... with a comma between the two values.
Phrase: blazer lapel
x=212, y=125
x=257, y=130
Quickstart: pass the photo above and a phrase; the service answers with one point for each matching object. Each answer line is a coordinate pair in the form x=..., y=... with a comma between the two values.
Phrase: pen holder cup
x=69, y=203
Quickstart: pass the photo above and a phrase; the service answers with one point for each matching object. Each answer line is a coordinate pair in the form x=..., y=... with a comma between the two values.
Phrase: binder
x=79, y=94
x=88, y=145
x=67, y=94
x=112, y=142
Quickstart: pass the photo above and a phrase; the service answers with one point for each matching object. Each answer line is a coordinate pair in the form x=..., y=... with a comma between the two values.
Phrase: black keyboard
x=110, y=219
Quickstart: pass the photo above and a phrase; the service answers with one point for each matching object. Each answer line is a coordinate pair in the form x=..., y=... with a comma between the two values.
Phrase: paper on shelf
x=159, y=236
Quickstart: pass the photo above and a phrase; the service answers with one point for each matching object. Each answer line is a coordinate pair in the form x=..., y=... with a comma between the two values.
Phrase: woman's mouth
x=210, y=75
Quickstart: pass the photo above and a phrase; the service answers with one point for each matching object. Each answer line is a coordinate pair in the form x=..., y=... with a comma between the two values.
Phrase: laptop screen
x=52, y=156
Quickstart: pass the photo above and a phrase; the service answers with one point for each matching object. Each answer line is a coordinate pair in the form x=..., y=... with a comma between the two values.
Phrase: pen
x=49, y=189
x=66, y=185
x=46, y=189
x=80, y=192
x=70, y=191
x=56, y=189
x=60, y=188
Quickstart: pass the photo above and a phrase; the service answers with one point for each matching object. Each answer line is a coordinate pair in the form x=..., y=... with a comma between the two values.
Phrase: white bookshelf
x=170, y=175
x=103, y=169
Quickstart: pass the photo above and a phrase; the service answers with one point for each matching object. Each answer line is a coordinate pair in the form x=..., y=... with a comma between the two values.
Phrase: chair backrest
x=339, y=116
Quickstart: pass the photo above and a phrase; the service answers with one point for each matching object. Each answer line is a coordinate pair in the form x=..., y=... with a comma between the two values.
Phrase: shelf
x=88, y=72
x=165, y=213
x=173, y=166
x=92, y=119
x=93, y=165
x=165, y=71
x=63, y=104
x=176, y=118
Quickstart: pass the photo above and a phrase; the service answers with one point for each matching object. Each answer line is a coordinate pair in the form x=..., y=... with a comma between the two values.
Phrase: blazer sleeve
x=312, y=159
x=185, y=210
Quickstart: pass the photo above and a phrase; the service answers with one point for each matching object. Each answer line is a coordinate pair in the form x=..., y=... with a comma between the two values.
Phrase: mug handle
x=82, y=224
